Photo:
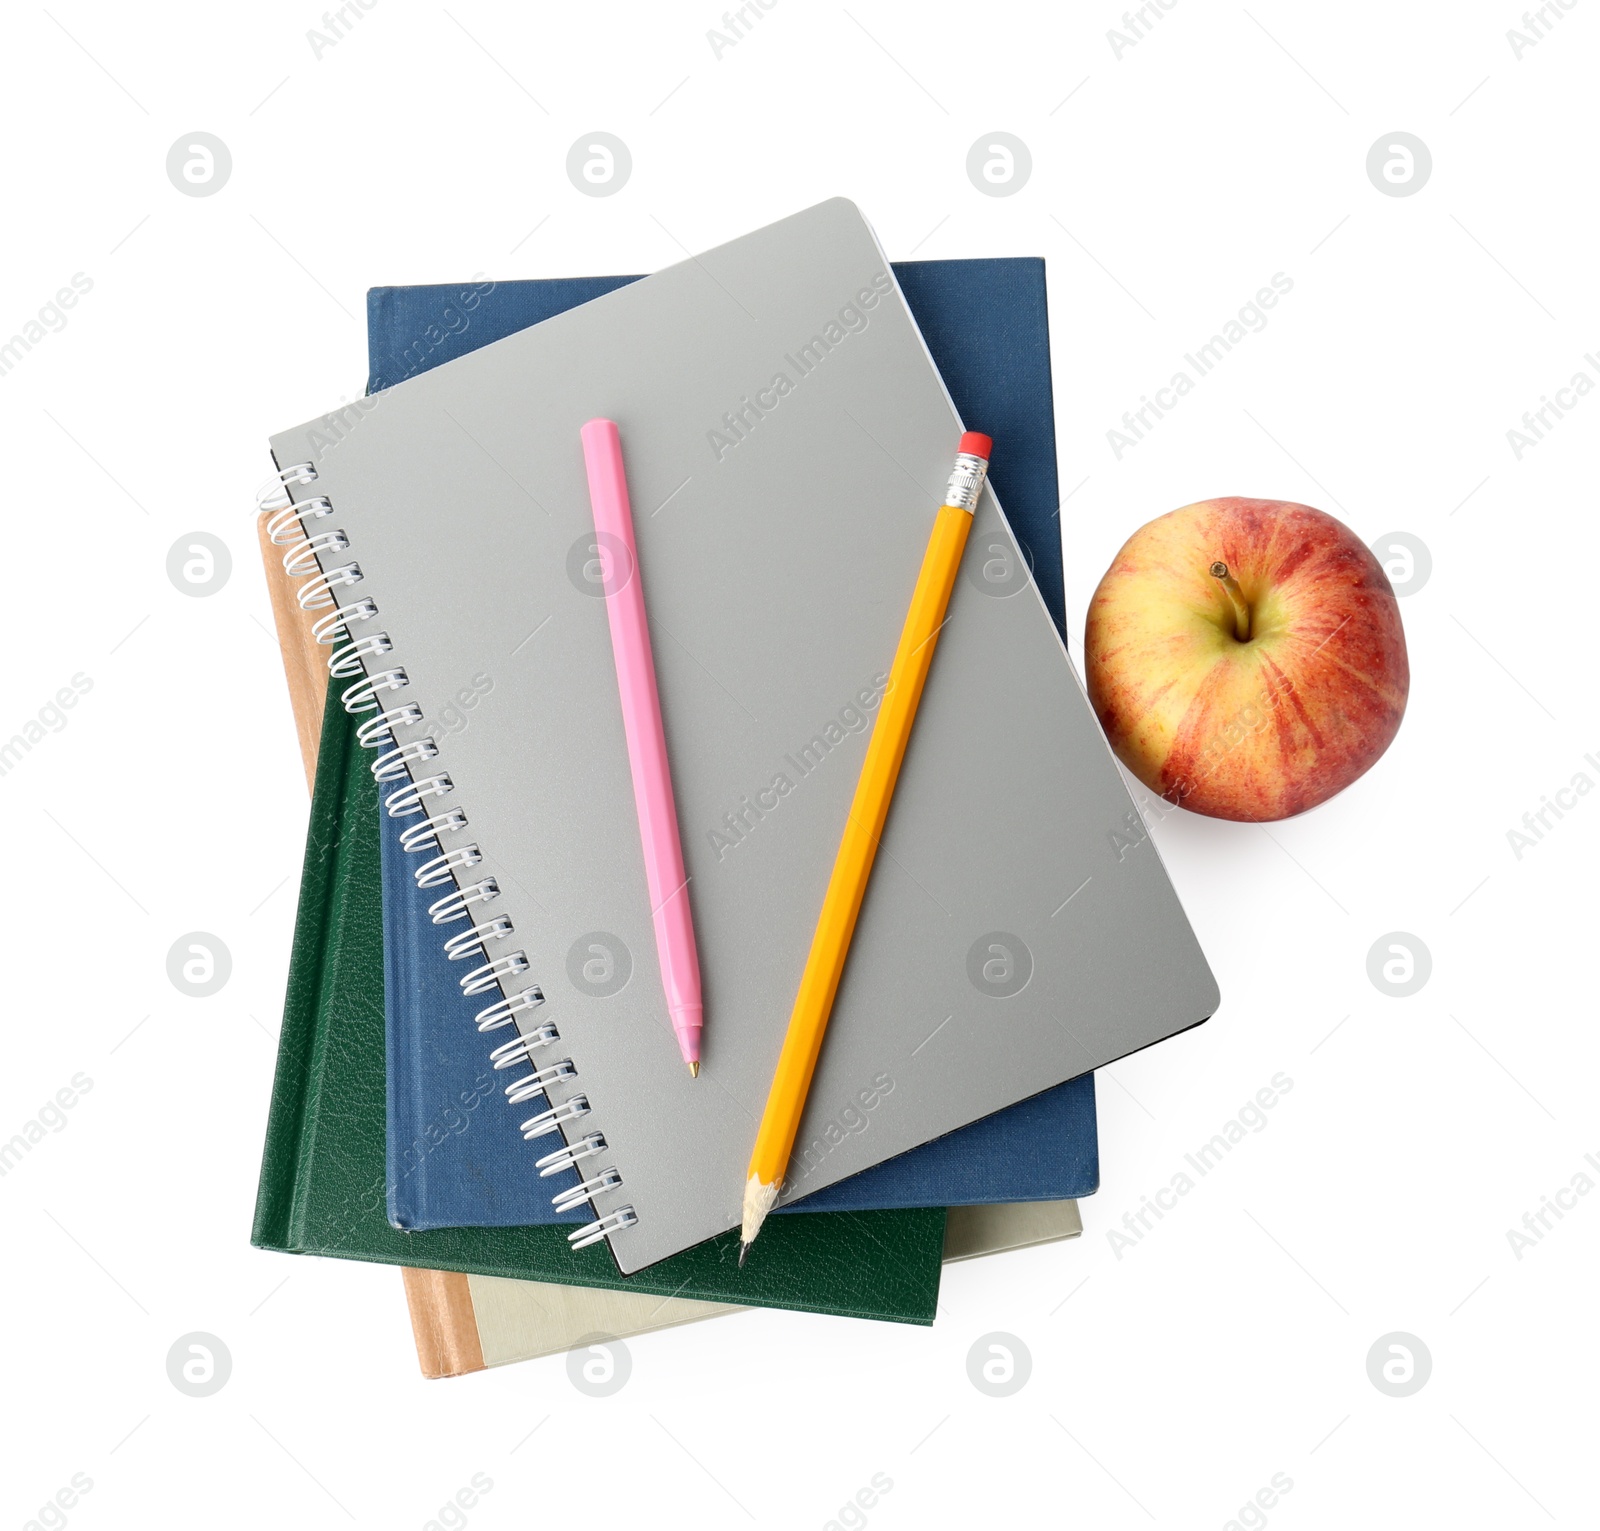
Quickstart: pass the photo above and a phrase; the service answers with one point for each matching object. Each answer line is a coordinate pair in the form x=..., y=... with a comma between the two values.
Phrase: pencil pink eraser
x=976, y=444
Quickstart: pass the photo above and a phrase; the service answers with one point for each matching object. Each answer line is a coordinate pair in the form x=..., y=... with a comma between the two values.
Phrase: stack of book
x=477, y=1079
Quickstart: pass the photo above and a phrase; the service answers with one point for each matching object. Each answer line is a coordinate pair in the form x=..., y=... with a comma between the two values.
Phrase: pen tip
x=694, y=1070
x=744, y=1249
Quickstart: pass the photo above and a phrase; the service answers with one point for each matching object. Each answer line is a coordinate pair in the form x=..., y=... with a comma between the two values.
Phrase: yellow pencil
x=868, y=811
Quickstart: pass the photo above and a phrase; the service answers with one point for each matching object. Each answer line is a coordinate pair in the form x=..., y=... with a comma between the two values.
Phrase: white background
x=1230, y=1342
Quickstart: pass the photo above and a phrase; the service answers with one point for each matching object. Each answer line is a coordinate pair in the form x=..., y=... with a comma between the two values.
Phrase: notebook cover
x=987, y=326
x=322, y=1187
x=1003, y=925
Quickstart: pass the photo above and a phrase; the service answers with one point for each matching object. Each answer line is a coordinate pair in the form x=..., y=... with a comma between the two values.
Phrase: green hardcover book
x=322, y=1185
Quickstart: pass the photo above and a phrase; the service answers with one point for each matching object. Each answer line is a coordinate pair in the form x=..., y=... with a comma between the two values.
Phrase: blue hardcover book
x=986, y=325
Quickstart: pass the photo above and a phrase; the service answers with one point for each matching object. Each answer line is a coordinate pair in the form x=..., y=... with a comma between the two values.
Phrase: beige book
x=466, y=1323
x=1001, y=1226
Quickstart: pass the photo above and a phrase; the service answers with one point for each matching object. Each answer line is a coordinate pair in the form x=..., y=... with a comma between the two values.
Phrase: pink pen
x=647, y=744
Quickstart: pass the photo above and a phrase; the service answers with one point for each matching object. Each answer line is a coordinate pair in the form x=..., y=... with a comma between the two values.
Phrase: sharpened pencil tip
x=694, y=1070
x=744, y=1249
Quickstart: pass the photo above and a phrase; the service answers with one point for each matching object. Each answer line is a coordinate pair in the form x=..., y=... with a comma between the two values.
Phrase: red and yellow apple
x=1245, y=657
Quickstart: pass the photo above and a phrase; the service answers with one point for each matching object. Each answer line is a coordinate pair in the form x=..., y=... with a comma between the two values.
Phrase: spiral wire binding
x=305, y=559
x=504, y=1011
x=363, y=696
x=603, y=1227
x=443, y=869
x=395, y=764
x=290, y=523
x=509, y=1055
x=569, y=1200
x=491, y=975
x=470, y=942
x=408, y=800
x=276, y=493
x=345, y=660
x=530, y=1085
x=336, y=624
x=567, y=1156
x=380, y=730
x=318, y=592
x=546, y=1122
x=302, y=558
x=419, y=835
x=453, y=906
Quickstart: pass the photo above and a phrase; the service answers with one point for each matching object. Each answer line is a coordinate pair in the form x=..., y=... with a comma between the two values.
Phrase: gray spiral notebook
x=787, y=442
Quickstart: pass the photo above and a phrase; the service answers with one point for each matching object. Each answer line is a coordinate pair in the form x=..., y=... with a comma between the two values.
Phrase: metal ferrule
x=966, y=482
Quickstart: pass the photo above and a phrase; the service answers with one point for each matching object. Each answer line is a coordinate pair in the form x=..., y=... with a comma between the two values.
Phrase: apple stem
x=1241, y=612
